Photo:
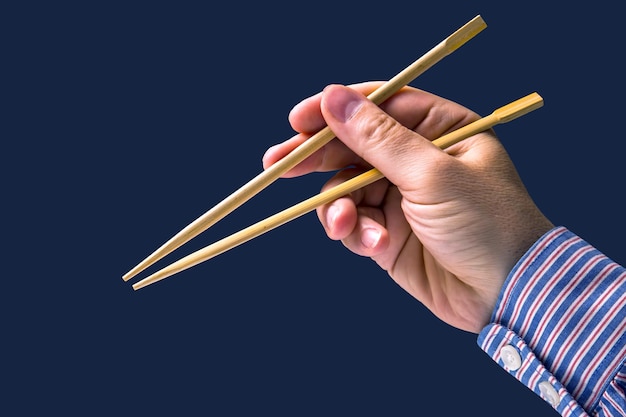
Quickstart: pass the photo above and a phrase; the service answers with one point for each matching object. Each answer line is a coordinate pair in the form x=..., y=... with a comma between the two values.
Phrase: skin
x=449, y=226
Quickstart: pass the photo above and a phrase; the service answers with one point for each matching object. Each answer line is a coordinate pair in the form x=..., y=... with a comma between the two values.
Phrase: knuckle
x=380, y=131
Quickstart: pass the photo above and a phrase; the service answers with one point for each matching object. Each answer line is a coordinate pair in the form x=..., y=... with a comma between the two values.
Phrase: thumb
x=376, y=137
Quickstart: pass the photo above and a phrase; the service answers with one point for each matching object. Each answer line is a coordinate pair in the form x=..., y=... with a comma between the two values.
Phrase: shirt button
x=511, y=357
x=549, y=394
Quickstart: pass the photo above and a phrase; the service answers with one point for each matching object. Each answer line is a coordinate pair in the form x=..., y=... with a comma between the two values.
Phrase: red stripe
x=534, y=378
x=491, y=338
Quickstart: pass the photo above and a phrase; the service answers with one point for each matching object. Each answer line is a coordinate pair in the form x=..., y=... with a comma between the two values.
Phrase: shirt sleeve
x=559, y=326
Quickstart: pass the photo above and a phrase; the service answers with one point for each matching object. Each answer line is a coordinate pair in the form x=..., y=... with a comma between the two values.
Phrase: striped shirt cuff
x=559, y=326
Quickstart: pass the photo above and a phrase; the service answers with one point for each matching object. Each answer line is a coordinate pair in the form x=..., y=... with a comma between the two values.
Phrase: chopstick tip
x=140, y=284
x=133, y=272
x=157, y=276
x=465, y=33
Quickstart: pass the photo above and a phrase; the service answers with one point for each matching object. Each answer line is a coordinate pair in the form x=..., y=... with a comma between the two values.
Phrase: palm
x=415, y=267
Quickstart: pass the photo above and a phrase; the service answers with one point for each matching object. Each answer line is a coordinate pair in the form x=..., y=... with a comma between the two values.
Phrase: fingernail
x=370, y=237
x=331, y=216
x=343, y=103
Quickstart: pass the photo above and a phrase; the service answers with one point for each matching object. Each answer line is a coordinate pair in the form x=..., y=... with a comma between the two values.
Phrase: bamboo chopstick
x=265, y=178
x=501, y=115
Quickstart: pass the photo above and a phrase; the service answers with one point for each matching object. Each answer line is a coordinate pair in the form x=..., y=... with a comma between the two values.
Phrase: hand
x=448, y=226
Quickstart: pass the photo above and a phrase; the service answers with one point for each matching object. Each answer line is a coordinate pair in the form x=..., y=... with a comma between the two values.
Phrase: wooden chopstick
x=265, y=178
x=501, y=115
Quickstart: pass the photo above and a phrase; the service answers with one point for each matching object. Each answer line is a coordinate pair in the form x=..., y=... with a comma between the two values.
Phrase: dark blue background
x=123, y=122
